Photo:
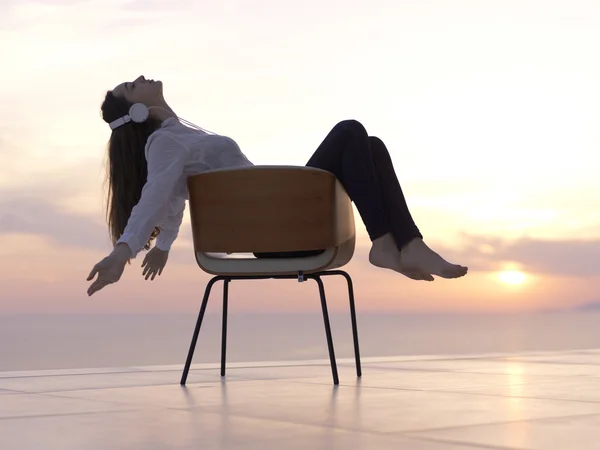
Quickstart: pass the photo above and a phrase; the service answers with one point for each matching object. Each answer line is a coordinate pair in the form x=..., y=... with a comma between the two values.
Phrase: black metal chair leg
x=354, y=325
x=190, y=355
x=334, y=370
x=224, y=327
x=352, y=316
x=315, y=276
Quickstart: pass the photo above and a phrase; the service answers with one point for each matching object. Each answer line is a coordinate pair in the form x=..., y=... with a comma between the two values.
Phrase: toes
x=455, y=272
x=412, y=276
x=418, y=276
x=421, y=276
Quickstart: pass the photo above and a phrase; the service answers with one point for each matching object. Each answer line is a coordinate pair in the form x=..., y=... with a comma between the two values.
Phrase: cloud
x=34, y=206
x=26, y=212
x=564, y=258
x=51, y=19
x=571, y=257
x=30, y=215
x=155, y=5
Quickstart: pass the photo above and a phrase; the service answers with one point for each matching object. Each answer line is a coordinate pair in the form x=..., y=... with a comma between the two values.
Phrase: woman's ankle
x=383, y=241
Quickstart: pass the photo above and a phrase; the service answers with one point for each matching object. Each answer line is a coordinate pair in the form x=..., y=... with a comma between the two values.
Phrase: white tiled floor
x=542, y=401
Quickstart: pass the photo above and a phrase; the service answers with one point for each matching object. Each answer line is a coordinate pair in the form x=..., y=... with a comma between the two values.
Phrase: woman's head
x=141, y=90
x=127, y=168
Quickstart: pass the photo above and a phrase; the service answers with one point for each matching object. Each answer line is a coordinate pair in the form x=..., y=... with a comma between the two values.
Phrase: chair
x=297, y=220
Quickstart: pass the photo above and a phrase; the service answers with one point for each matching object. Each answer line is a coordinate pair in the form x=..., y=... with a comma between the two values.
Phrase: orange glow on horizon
x=512, y=277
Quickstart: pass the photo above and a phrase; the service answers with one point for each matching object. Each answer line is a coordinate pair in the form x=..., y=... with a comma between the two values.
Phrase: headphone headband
x=138, y=113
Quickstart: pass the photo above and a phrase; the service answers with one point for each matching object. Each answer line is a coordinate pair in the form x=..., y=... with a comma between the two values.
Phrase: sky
x=489, y=110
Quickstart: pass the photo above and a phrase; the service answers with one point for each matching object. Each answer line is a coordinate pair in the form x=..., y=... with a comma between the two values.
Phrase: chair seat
x=248, y=264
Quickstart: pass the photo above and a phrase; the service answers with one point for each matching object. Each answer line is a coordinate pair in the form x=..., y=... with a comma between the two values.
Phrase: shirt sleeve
x=169, y=230
x=166, y=157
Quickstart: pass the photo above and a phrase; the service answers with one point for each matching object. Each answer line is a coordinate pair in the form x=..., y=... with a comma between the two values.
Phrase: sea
x=34, y=342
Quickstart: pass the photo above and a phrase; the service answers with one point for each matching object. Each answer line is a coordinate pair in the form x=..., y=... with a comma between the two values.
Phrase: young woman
x=149, y=162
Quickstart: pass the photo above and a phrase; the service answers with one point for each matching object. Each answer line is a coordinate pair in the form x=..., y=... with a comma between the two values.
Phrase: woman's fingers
x=150, y=271
x=96, y=286
x=93, y=273
x=109, y=271
x=149, y=268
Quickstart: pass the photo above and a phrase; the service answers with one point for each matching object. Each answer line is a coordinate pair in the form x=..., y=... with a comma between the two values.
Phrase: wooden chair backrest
x=268, y=209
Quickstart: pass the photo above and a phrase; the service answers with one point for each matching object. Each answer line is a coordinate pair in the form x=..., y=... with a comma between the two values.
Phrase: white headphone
x=138, y=113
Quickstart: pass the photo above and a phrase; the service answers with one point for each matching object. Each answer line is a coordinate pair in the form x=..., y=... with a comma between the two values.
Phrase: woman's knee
x=377, y=145
x=378, y=149
x=353, y=126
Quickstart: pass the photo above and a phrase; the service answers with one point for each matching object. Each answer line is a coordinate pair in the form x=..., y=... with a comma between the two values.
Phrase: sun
x=512, y=277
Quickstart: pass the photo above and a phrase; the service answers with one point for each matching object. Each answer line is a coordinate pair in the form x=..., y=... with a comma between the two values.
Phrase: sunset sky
x=490, y=109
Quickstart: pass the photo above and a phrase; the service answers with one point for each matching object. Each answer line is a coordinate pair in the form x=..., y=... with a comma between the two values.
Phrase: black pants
x=363, y=165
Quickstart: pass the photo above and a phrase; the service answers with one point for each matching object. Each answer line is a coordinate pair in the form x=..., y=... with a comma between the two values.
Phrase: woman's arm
x=166, y=159
x=169, y=229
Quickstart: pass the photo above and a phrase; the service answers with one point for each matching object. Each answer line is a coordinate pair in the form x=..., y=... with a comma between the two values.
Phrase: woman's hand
x=110, y=269
x=154, y=263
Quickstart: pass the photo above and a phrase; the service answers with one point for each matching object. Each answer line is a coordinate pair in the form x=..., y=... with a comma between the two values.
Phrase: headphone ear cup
x=138, y=112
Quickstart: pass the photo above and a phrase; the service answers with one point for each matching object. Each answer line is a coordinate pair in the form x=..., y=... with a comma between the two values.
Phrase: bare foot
x=417, y=256
x=385, y=254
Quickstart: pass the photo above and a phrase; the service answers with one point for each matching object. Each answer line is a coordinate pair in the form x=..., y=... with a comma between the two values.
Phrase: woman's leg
x=402, y=225
x=364, y=167
x=345, y=152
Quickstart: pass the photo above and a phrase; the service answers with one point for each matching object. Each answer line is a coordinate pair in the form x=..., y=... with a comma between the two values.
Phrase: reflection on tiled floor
x=542, y=401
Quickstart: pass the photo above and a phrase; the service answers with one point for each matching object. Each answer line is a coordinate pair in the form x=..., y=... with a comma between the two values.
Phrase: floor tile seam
x=137, y=406
x=331, y=427
x=133, y=404
x=556, y=363
x=425, y=431
x=107, y=388
x=414, y=435
x=209, y=384
x=194, y=384
x=234, y=379
x=234, y=367
x=140, y=369
x=468, y=444
x=13, y=391
x=126, y=370
x=458, y=371
x=82, y=413
x=532, y=383
x=444, y=391
x=567, y=400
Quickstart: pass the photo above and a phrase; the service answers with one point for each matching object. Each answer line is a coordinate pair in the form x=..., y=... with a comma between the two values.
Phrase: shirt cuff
x=130, y=241
x=164, y=246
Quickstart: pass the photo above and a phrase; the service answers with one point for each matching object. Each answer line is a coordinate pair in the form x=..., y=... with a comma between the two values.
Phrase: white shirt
x=174, y=152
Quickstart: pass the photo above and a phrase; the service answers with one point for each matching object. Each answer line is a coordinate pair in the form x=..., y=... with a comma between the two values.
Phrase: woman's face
x=141, y=90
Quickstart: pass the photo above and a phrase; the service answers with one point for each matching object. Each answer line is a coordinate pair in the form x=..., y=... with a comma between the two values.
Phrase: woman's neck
x=162, y=112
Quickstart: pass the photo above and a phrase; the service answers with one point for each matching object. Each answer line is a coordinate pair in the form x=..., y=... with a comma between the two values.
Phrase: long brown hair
x=126, y=166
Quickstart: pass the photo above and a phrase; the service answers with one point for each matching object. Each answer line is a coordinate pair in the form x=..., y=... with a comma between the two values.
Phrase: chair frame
x=301, y=277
